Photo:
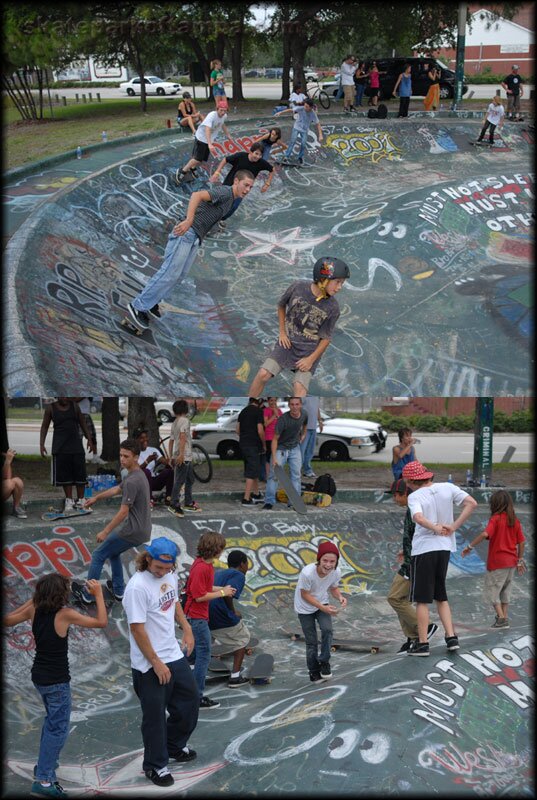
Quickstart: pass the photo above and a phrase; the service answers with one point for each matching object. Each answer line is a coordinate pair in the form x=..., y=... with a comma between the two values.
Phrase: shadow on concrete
x=453, y=723
x=436, y=232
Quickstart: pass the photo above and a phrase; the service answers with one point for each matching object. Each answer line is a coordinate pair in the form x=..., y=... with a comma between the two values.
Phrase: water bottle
x=234, y=109
x=449, y=478
x=104, y=137
x=468, y=477
x=79, y=152
x=483, y=483
x=87, y=490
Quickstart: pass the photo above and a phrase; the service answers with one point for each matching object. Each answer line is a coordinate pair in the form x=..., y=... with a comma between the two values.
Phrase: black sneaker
x=418, y=648
x=257, y=498
x=155, y=312
x=206, y=702
x=316, y=677
x=140, y=318
x=109, y=586
x=431, y=630
x=326, y=672
x=180, y=176
x=160, y=777
x=452, y=642
x=186, y=754
x=267, y=507
x=404, y=647
x=177, y=510
x=246, y=502
x=240, y=680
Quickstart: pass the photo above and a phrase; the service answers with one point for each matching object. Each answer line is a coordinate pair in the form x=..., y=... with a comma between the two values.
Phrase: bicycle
x=202, y=466
x=319, y=94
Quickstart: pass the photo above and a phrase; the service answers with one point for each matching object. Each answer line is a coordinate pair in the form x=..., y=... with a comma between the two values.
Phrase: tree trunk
x=142, y=416
x=236, y=61
x=110, y=429
x=4, y=442
x=286, y=44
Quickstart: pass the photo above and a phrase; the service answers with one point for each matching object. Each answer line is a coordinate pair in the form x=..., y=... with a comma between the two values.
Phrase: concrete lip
x=453, y=723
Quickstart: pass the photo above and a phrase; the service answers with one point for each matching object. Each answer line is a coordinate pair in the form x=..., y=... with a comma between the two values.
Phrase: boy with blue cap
x=161, y=675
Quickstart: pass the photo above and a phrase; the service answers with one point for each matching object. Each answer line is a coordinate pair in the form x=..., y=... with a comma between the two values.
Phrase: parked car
x=273, y=72
x=420, y=83
x=233, y=405
x=341, y=439
x=309, y=74
x=252, y=73
x=153, y=85
x=163, y=409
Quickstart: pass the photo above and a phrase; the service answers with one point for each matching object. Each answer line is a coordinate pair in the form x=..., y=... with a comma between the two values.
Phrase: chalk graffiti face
x=327, y=564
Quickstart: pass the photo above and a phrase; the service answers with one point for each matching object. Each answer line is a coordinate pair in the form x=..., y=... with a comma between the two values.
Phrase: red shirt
x=503, y=542
x=200, y=581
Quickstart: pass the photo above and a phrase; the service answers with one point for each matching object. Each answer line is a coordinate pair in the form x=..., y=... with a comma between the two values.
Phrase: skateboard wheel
x=248, y=651
x=375, y=650
x=333, y=648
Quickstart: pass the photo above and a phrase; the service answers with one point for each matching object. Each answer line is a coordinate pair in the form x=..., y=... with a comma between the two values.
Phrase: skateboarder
x=204, y=138
x=224, y=620
x=289, y=434
x=494, y=118
x=305, y=116
x=431, y=508
x=161, y=676
x=316, y=581
x=505, y=554
x=251, y=161
x=205, y=209
x=134, y=516
x=268, y=140
x=307, y=315
x=51, y=617
x=68, y=462
x=398, y=596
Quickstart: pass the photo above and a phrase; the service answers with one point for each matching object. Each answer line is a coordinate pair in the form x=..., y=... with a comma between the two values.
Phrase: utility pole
x=459, y=67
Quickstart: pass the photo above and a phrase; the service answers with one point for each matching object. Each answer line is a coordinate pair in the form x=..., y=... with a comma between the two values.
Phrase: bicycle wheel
x=202, y=466
x=324, y=99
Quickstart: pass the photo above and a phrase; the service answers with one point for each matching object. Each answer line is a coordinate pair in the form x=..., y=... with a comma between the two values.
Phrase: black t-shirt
x=241, y=161
x=249, y=418
x=513, y=83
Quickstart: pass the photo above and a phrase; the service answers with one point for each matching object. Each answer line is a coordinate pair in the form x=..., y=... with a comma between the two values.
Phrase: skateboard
x=54, y=514
x=284, y=163
x=76, y=597
x=356, y=645
x=130, y=327
x=319, y=499
x=219, y=650
x=217, y=665
x=294, y=498
x=482, y=144
x=261, y=670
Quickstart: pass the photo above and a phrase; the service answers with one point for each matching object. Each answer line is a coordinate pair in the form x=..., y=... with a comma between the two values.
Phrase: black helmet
x=327, y=268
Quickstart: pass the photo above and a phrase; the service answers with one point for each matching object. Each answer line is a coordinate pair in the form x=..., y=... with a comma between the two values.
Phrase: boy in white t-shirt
x=494, y=118
x=296, y=100
x=315, y=583
x=431, y=507
x=204, y=139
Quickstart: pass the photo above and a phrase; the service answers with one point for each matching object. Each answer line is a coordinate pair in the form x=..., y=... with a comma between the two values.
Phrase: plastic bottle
x=87, y=490
x=468, y=477
x=449, y=478
x=79, y=152
x=104, y=137
x=483, y=483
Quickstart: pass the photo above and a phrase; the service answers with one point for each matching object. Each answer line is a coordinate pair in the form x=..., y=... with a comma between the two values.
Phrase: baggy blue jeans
x=308, y=623
x=307, y=449
x=201, y=654
x=110, y=549
x=57, y=701
x=294, y=457
x=302, y=137
x=178, y=258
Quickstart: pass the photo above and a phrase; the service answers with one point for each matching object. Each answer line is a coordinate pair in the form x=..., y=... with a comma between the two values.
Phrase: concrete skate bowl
x=437, y=234
x=453, y=723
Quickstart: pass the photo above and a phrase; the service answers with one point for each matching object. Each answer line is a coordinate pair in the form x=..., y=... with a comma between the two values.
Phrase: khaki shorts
x=348, y=95
x=300, y=377
x=237, y=636
x=497, y=587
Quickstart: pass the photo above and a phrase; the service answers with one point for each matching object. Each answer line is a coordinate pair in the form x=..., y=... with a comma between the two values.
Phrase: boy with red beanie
x=315, y=582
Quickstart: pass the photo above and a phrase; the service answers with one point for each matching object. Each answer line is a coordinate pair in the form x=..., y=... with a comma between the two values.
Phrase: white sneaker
x=20, y=512
x=68, y=505
x=97, y=459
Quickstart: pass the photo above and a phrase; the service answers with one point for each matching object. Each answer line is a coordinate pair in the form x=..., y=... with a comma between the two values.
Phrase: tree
x=142, y=416
x=110, y=429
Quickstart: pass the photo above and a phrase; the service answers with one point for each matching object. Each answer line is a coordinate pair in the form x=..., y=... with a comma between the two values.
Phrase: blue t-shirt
x=304, y=119
x=220, y=616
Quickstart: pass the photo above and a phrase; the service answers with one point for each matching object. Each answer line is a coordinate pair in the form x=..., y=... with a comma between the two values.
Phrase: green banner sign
x=483, y=431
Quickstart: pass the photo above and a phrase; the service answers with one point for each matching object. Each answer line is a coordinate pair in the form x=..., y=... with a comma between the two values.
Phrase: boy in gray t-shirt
x=316, y=581
x=134, y=517
x=307, y=316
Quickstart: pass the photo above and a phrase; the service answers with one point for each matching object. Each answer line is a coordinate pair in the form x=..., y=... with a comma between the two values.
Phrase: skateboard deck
x=130, y=327
x=261, y=670
x=481, y=144
x=319, y=499
x=76, y=597
x=219, y=650
x=294, y=498
x=217, y=665
x=356, y=645
x=54, y=514
x=284, y=163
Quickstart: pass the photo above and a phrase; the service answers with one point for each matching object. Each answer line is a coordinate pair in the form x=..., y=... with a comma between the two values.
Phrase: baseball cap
x=327, y=547
x=163, y=549
x=515, y=66
x=415, y=471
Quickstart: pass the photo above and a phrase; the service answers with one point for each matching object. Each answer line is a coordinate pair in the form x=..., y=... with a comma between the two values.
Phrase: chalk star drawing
x=288, y=240
x=119, y=776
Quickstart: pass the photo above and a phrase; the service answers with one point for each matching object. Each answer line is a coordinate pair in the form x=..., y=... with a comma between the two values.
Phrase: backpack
x=325, y=484
x=372, y=113
x=382, y=111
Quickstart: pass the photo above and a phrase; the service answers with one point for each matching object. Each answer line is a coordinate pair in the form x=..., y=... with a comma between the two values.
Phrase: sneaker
x=68, y=505
x=310, y=474
x=186, y=754
x=257, y=498
x=326, y=672
x=246, y=502
x=160, y=777
x=177, y=510
x=452, y=642
x=54, y=790
x=418, y=648
x=500, y=622
x=155, y=312
x=206, y=702
x=431, y=630
x=316, y=677
x=267, y=507
x=404, y=647
x=300, y=160
x=194, y=507
x=180, y=176
x=20, y=513
x=109, y=586
x=140, y=318
x=239, y=681
x=221, y=226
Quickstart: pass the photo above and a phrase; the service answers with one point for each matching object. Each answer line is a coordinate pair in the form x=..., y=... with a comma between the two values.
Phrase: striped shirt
x=209, y=213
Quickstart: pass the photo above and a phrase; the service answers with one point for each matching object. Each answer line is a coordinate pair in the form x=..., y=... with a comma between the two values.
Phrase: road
x=264, y=90
x=443, y=448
